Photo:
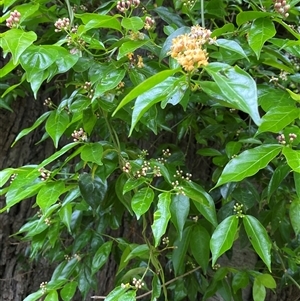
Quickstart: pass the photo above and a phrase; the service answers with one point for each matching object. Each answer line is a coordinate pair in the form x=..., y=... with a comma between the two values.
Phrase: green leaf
x=101, y=256
x=92, y=152
x=258, y=291
x=142, y=201
x=202, y=200
x=5, y=175
x=93, y=189
x=278, y=176
x=261, y=30
x=68, y=291
x=16, y=41
x=178, y=255
x=37, y=123
x=232, y=46
x=169, y=17
x=246, y=16
x=248, y=163
x=160, y=92
x=156, y=288
x=266, y=280
x=132, y=23
x=34, y=296
x=259, y=239
x=89, y=119
x=115, y=294
x=52, y=296
x=293, y=95
x=133, y=183
x=296, y=181
x=144, y=86
x=294, y=213
x=56, y=125
x=292, y=157
x=65, y=214
x=278, y=118
x=199, y=244
x=223, y=237
x=237, y=86
x=49, y=194
x=180, y=208
x=130, y=47
x=6, y=69
x=240, y=280
x=141, y=251
x=161, y=216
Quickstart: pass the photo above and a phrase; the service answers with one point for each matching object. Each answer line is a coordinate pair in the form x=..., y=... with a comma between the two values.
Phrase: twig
x=150, y=292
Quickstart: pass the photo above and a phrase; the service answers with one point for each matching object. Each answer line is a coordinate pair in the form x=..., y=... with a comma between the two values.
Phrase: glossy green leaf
x=261, y=30
x=199, y=244
x=180, y=208
x=6, y=69
x=49, y=194
x=68, y=269
x=258, y=291
x=292, y=157
x=240, y=280
x=52, y=296
x=202, y=200
x=34, y=296
x=223, y=237
x=93, y=189
x=89, y=119
x=246, y=16
x=248, y=163
x=37, y=123
x=277, y=118
x=140, y=251
x=93, y=20
x=259, y=238
x=161, y=217
x=278, y=176
x=101, y=257
x=68, y=291
x=130, y=47
x=145, y=101
x=169, y=17
x=141, y=201
x=294, y=213
x=65, y=214
x=179, y=253
x=16, y=41
x=5, y=175
x=115, y=294
x=156, y=288
x=237, y=86
x=145, y=86
x=266, y=280
x=293, y=95
x=56, y=125
x=133, y=183
x=92, y=152
x=132, y=23
x=231, y=46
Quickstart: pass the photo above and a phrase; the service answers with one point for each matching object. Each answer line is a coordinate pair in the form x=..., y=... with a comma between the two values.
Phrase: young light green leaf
x=246, y=16
x=258, y=291
x=92, y=152
x=52, y=296
x=223, y=237
x=56, y=125
x=34, y=296
x=292, y=157
x=68, y=291
x=248, y=163
x=294, y=95
x=16, y=41
x=267, y=280
x=5, y=175
x=49, y=194
x=180, y=208
x=261, y=30
x=259, y=238
x=295, y=215
x=161, y=217
x=133, y=23
x=199, y=244
x=115, y=294
x=277, y=118
x=145, y=86
x=101, y=256
x=130, y=46
x=237, y=86
x=142, y=201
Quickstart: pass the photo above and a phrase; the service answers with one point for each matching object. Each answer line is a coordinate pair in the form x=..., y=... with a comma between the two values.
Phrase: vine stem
x=166, y=284
x=202, y=14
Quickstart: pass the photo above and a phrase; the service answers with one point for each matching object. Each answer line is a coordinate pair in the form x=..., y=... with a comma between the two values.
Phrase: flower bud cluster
x=166, y=154
x=43, y=287
x=13, y=20
x=165, y=240
x=238, y=210
x=127, y=167
x=68, y=258
x=178, y=188
x=144, y=170
x=62, y=24
x=135, y=61
x=88, y=87
x=48, y=102
x=138, y=283
x=79, y=135
x=187, y=49
x=12, y=177
x=179, y=174
x=189, y=3
x=149, y=23
x=281, y=138
x=44, y=174
x=47, y=221
x=123, y=6
x=282, y=7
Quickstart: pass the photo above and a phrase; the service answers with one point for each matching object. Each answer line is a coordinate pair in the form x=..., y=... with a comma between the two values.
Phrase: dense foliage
x=178, y=118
